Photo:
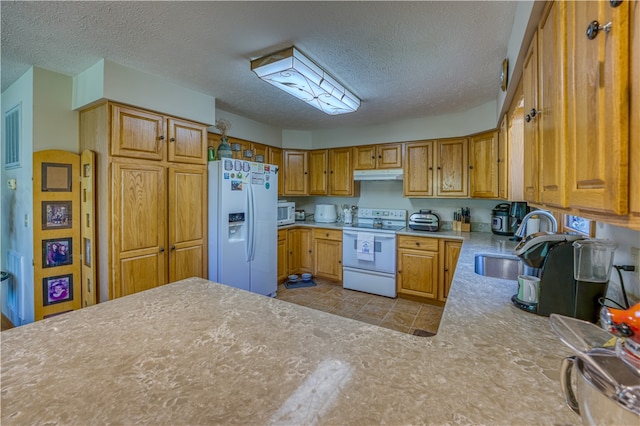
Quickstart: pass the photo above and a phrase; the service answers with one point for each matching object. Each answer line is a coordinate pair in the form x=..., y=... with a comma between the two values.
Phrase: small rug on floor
x=423, y=333
x=299, y=284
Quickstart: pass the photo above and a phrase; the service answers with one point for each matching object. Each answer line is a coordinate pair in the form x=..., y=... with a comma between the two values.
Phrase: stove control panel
x=384, y=214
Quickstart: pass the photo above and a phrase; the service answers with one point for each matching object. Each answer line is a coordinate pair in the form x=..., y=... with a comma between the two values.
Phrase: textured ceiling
x=403, y=59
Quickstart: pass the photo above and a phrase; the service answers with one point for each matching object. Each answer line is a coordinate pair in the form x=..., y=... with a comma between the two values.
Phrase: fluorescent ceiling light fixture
x=297, y=75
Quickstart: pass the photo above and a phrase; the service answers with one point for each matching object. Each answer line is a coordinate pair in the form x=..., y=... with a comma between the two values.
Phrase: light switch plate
x=635, y=259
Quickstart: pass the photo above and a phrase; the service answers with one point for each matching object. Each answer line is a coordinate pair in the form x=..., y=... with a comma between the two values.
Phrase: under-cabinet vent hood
x=385, y=174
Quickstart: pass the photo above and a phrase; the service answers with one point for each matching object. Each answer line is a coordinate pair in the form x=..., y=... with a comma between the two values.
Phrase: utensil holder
x=461, y=226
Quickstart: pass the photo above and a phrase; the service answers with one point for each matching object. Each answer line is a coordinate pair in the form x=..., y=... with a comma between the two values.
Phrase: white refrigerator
x=243, y=234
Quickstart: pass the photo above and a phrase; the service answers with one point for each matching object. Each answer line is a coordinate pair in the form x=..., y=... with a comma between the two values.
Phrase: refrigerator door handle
x=251, y=238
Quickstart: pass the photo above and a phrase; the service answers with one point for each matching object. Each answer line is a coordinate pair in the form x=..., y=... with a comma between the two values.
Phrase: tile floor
x=398, y=314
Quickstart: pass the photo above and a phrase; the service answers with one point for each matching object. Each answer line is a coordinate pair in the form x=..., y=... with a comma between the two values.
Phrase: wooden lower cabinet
x=327, y=249
x=283, y=255
x=425, y=267
x=300, y=250
x=450, y=250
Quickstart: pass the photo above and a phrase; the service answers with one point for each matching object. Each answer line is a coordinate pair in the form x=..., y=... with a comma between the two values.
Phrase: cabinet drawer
x=282, y=234
x=328, y=234
x=419, y=243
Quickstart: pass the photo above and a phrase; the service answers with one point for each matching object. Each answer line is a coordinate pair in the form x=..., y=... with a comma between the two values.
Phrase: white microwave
x=286, y=213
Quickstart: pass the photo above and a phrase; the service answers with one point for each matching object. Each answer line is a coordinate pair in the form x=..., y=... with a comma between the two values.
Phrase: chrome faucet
x=519, y=234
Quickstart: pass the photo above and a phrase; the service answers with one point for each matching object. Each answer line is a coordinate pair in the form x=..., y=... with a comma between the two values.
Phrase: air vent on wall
x=12, y=138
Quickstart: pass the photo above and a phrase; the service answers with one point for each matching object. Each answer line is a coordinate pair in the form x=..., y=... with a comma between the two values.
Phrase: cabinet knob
x=331, y=171
x=161, y=249
x=615, y=3
x=327, y=234
x=438, y=167
x=309, y=251
x=594, y=28
x=172, y=139
x=417, y=243
x=161, y=137
x=173, y=247
x=430, y=168
x=373, y=157
x=379, y=156
x=470, y=167
x=533, y=112
x=446, y=269
x=527, y=118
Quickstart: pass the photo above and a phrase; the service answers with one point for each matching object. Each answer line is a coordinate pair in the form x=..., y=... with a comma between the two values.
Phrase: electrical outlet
x=635, y=259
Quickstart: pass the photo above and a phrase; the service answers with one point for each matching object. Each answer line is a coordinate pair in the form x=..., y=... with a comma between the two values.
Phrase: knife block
x=461, y=226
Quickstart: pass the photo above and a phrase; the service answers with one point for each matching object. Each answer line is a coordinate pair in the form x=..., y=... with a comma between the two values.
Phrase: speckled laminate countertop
x=196, y=352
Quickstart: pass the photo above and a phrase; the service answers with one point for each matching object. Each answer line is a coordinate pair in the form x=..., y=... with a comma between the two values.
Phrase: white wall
x=108, y=80
x=474, y=120
x=626, y=239
x=55, y=124
x=244, y=128
x=18, y=204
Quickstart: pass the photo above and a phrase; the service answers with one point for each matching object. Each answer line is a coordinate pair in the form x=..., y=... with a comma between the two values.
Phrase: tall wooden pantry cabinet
x=152, y=197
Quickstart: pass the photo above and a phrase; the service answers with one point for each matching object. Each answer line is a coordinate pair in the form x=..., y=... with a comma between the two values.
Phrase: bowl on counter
x=306, y=277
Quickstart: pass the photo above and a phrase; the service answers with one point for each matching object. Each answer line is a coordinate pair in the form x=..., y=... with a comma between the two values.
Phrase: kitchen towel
x=365, y=244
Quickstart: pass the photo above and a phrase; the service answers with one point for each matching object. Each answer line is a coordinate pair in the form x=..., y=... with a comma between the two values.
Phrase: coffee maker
x=517, y=211
x=563, y=289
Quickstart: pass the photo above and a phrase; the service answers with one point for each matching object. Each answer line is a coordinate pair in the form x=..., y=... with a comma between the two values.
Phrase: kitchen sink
x=502, y=266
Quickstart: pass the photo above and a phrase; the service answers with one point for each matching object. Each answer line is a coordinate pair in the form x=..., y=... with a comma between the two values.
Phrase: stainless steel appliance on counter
x=501, y=220
x=369, y=251
x=424, y=220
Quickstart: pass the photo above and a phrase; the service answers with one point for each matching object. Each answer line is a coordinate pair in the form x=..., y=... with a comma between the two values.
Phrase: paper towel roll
x=533, y=226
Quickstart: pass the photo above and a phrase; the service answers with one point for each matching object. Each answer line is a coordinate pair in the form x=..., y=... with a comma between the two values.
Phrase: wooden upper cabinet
x=483, y=165
x=296, y=172
x=503, y=160
x=341, y=172
x=418, y=169
x=551, y=115
x=137, y=133
x=318, y=177
x=275, y=156
x=452, y=171
x=384, y=156
x=260, y=149
x=598, y=106
x=530, y=92
x=187, y=142
x=146, y=135
x=634, y=84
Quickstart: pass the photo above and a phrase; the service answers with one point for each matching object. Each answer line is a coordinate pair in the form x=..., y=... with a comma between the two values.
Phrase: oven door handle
x=380, y=236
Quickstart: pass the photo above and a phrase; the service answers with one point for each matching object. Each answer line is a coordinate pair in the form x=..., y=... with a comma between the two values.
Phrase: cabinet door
x=138, y=227
x=503, y=163
x=417, y=273
x=296, y=175
x=634, y=83
x=483, y=155
x=551, y=117
x=328, y=259
x=341, y=172
x=450, y=252
x=137, y=134
x=389, y=156
x=275, y=157
x=318, y=172
x=187, y=142
x=187, y=201
x=530, y=91
x=259, y=149
x=452, y=158
x=364, y=157
x=300, y=251
x=598, y=107
x=283, y=255
x=418, y=169
x=306, y=250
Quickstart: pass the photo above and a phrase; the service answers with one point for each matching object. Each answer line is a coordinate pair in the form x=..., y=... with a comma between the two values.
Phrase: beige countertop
x=196, y=352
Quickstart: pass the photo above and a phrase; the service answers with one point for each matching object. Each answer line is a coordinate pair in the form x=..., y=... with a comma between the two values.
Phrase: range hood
x=385, y=174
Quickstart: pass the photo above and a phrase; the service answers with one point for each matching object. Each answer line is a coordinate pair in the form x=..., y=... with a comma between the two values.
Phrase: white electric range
x=369, y=251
